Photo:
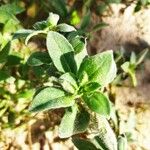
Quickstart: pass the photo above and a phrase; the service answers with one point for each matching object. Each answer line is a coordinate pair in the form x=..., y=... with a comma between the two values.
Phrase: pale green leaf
x=100, y=68
x=122, y=142
x=53, y=19
x=73, y=122
x=106, y=138
x=63, y=27
x=50, y=98
x=34, y=34
x=61, y=52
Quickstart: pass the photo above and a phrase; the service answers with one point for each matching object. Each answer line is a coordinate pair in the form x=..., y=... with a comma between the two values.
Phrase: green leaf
x=125, y=66
x=98, y=103
x=34, y=34
x=66, y=127
x=68, y=87
x=90, y=87
x=100, y=68
x=50, y=98
x=22, y=33
x=79, y=46
x=141, y=56
x=80, y=49
x=53, y=19
x=69, y=77
x=81, y=122
x=80, y=57
x=73, y=122
x=133, y=58
x=13, y=60
x=83, y=144
x=40, y=25
x=77, y=42
x=4, y=52
x=122, y=142
x=63, y=27
x=130, y=69
x=106, y=138
x=61, y=52
x=38, y=59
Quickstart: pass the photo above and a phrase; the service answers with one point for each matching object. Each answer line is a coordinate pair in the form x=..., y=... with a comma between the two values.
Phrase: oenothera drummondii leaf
x=38, y=59
x=73, y=122
x=98, y=103
x=106, y=138
x=50, y=98
x=63, y=27
x=100, y=68
x=61, y=52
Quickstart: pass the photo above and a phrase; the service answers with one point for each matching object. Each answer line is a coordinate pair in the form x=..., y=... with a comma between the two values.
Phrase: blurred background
x=120, y=25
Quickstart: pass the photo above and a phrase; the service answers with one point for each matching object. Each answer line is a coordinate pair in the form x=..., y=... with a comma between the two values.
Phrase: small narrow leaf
x=63, y=27
x=141, y=56
x=122, y=142
x=50, y=98
x=61, y=52
x=38, y=59
x=133, y=58
x=98, y=103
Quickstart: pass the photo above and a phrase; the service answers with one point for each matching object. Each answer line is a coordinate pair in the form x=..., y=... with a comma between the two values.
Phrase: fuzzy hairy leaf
x=69, y=77
x=106, y=138
x=98, y=103
x=82, y=144
x=68, y=82
x=100, y=68
x=22, y=33
x=50, y=98
x=53, y=19
x=63, y=27
x=73, y=122
x=122, y=142
x=61, y=52
x=38, y=59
